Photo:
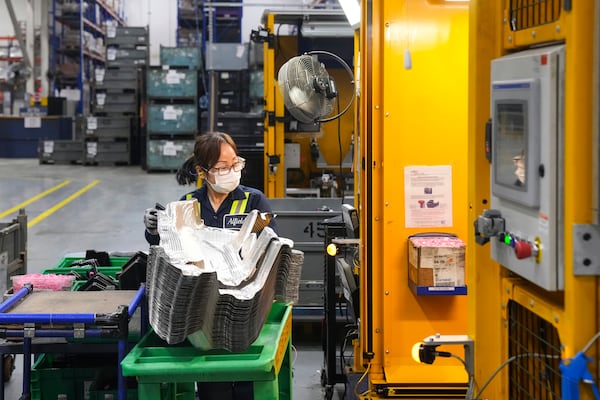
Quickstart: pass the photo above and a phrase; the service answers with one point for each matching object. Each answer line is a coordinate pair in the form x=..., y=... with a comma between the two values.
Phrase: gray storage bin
x=115, y=97
x=96, y=152
x=117, y=85
x=60, y=151
x=127, y=36
x=127, y=63
x=300, y=219
x=131, y=31
x=110, y=102
x=13, y=250
x=110, y=74
x=115, y=53
x=107, y=128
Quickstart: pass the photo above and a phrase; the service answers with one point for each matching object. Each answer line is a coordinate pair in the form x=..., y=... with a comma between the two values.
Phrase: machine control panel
x=523, y=248
x=526, y=204
x=491, y=225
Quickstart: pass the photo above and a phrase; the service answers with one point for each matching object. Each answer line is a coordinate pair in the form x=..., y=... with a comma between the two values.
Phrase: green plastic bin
x=114, y=262
x=64, y=267
x=110, y=271
x=73, y=376
x=266, y=363
x=95, y=394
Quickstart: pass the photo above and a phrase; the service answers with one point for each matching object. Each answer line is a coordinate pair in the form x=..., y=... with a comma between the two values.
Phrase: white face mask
x=226, y=183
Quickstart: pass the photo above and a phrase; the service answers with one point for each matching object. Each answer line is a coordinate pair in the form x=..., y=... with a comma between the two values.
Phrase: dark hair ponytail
x=207, y=149
x=186, y=174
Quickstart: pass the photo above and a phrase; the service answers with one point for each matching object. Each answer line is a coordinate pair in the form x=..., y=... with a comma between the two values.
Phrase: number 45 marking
x=312, y=232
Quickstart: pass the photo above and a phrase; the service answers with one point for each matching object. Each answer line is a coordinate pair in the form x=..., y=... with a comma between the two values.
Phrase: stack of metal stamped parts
x=215, y=287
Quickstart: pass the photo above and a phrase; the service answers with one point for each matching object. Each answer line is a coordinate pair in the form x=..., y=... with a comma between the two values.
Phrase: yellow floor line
x=34, y=198
x=61, y=204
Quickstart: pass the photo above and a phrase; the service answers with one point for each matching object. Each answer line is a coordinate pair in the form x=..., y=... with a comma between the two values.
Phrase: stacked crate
x=172, y=108
x=111, y=134
x=235, y=117
x=229, y=61
x=247, y=130
x=232, y=94
x=62, y=151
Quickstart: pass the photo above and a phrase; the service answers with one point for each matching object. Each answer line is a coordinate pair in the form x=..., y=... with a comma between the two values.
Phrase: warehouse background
x=159, y=15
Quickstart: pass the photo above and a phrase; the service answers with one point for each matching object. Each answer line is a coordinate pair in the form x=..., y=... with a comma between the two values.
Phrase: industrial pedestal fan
x=309, y=93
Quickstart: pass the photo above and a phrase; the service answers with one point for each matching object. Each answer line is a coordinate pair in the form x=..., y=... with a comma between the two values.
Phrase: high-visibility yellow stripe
x=234, y=207
x=244, y=203
x=238, y=207
x=34, y=198
x=61, y=204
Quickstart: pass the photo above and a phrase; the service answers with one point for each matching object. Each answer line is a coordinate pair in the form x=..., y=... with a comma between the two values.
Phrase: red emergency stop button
x=523, y=249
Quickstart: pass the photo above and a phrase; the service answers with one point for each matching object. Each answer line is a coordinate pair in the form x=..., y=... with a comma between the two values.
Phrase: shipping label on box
x=436, y=261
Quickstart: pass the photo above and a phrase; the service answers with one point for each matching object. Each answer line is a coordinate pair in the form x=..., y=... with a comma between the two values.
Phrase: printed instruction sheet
x=428, y=196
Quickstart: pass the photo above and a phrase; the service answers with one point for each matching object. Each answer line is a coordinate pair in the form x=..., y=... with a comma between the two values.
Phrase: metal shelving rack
x=7, y=46
x=80, y=17
x=7, y=43
x=198, y=22
x=190, y=23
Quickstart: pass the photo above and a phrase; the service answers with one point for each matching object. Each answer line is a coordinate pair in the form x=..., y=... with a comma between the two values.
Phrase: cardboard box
x=436, y=261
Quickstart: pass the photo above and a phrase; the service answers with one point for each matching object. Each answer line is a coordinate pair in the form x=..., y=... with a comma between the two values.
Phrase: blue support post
x=575, y=371
x=53, y=54
x=81, y=65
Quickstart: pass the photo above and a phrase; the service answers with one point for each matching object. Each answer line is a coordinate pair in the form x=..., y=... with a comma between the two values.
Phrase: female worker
x=222, y=200
x=223, y=203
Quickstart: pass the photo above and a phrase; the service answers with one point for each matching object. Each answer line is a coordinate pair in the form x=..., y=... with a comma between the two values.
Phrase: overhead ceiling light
x=326, y=29
x=352, y=10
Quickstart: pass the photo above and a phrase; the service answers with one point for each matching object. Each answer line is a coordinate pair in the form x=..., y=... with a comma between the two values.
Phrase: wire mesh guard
x=526, y=14
x=303, y=82
x=534, y=342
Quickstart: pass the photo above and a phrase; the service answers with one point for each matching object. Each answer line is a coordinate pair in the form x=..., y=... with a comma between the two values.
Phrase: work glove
x=151, y=220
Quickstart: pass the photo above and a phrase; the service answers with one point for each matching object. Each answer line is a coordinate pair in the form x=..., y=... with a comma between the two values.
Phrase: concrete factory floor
x=74, y=208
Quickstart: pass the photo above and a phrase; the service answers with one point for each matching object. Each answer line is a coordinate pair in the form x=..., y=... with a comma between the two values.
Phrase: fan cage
x=525, y=14
x=310, y=64
x=535, y=373
x=299, y=73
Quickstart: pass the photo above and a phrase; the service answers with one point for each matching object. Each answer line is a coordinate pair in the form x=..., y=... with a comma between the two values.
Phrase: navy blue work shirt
x=246, y=199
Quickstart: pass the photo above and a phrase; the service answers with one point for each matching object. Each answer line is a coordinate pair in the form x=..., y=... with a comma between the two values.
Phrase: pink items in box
x=43, y=281
x=436, y=261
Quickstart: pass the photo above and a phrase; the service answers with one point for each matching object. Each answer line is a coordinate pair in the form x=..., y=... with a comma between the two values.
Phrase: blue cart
x=60, y=322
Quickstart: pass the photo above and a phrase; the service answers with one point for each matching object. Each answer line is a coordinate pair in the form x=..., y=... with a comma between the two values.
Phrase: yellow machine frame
x=275, y=135
x=573, y=312
x=411, y=115
x=274, y=130
x=435, y=113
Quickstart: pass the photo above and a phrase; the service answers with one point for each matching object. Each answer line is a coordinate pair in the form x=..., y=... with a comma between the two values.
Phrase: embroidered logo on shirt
x=234, y=221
